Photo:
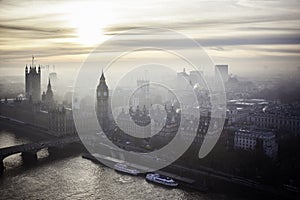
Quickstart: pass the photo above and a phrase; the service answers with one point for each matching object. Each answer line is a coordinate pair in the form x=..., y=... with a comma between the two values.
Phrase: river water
x=72, y=177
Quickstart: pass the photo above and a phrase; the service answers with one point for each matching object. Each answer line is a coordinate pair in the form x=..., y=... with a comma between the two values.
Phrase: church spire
x=49, y=84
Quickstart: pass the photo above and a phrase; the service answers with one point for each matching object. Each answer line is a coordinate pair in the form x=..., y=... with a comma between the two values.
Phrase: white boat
x=121, y=167
x=164, y=180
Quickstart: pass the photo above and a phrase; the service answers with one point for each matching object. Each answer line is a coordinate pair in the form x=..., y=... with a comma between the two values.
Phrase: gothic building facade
x=61, y=121
x=43, y=113
x=47, y=98
x=33, y=84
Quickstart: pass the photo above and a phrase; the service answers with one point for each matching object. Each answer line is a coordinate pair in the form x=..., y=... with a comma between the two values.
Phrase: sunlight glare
x=89, y=20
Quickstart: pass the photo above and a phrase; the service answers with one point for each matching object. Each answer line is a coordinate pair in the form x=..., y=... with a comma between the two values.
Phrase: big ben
x=102, y=103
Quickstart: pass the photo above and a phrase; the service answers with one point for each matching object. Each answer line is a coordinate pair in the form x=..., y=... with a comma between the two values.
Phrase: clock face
x=99, y=93
x=105, y=94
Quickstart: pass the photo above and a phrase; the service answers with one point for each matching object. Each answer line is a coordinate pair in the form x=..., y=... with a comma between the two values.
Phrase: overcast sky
x=247, y=35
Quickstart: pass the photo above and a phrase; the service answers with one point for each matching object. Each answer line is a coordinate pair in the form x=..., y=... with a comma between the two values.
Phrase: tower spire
x=102, y=78
x=49, y=84
x=32, y=60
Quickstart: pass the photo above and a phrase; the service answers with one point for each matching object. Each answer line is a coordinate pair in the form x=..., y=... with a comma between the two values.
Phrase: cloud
x=55, y=50
x=215, y=41
x=14, y=31
x=219, y=26
x=252, y=40
x=216, y=24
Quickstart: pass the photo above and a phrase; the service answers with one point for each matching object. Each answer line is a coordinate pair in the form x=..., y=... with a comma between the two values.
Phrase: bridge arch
x=29, y=151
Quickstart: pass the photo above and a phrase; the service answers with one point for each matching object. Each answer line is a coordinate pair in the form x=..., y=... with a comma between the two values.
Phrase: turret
x=49, y=94
x=33, y=83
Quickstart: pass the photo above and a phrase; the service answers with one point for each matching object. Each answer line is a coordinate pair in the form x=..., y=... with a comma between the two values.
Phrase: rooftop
x=257, y=132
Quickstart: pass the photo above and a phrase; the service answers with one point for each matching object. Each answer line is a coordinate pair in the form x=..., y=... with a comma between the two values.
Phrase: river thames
x=69, y=176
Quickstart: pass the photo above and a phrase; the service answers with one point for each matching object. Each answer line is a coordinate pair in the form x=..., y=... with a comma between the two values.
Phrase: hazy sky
x=247, y=35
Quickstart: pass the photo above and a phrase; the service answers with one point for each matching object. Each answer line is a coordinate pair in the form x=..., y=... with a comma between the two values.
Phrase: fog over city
x=114, y=99
x=255, y=38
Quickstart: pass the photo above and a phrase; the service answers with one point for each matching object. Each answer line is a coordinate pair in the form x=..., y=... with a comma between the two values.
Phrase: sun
x=89, y=22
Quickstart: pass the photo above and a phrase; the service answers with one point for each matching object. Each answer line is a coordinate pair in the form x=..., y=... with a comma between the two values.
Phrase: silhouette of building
x=142, y=95
x=33, y=83
x=183, y=81
x=45, y=114
x=47, y=98
x=61, y=122
x=165, y=123
x=196, y=77
x=141, y=119
x=223, y=70
x=103, y=104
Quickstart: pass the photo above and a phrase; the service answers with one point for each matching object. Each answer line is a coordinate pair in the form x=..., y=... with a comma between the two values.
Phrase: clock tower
x=102, y=103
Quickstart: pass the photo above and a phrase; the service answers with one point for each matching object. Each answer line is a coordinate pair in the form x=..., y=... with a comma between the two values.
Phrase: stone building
x=61, y=122
x=33, y=84
x=259, y=140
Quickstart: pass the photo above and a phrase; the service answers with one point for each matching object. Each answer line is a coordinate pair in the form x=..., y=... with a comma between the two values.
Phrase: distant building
x=61, y=122
x=33, y=83
x=276, y=121
x=260, y=140
x=165, y=123
x=173, y=119
x=183, y=80
x=47, y=98
x=45, y=114
x=196, y=77
x=223, y=70
x=141, y=121
x=142, y=95
x=277, y=117
x=238, y=110
x=237, y=114
x=53, y=77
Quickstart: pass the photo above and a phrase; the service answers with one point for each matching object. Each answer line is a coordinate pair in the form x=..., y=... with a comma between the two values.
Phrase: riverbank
x=25, y=130
x=206, y=184
x=213, y=183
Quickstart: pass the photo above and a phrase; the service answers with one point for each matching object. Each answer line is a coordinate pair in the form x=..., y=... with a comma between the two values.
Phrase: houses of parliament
x=37, y=108
x=41, y=110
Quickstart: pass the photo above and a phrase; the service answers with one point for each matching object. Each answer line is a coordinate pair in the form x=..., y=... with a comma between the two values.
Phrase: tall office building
x=142, y=94
x=223, y=70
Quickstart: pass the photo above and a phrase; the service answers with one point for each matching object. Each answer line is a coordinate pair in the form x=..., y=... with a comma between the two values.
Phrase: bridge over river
x=29, y=151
